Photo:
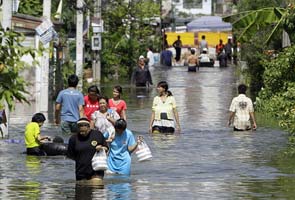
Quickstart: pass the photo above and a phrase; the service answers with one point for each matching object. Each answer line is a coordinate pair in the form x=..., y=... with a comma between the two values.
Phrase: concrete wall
x=23, y=112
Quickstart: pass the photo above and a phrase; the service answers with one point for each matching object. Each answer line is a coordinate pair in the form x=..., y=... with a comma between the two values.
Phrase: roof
x=209, y=23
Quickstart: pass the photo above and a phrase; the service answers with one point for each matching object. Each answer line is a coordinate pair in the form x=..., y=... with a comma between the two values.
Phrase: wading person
x=141, y=76
x=33, y=138
x=121, y=146
x=242, y=111
x=69, y=106
x=164, y=118
x=82, y=147
x=177, y=45
x=118, y=104
x=192, y=61
x=91, y=103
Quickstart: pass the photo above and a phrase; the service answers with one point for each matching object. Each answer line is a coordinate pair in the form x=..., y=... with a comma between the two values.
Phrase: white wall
x=206, y=8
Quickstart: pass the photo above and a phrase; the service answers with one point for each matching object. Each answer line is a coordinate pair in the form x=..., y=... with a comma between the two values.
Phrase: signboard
x=96, y=42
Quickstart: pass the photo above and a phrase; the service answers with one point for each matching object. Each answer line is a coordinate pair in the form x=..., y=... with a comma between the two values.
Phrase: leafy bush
x=12, y=86
x=278, y=95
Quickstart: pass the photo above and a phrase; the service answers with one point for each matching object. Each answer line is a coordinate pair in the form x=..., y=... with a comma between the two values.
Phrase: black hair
x=120, y=124
x=193, y=51
x=94, y=88
x=242, y=88
x=119, y=89
x=164, y=85
x=73, y=80
x=105, y=98
x=203, y=36
x=38, y=117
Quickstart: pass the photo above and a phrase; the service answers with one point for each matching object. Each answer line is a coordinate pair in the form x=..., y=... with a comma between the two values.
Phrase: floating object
x=54, y=149
x=14, y=141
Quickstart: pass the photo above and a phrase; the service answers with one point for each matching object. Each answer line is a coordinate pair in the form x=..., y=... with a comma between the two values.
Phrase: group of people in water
x=95, y=123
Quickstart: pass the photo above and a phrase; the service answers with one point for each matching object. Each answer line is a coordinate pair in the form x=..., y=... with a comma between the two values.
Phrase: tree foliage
x=12, y=85
x=128, y=31
x=278, y=95
x=31, y=7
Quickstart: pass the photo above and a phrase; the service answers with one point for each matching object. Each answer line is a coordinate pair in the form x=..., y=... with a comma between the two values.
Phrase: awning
x=208, y=23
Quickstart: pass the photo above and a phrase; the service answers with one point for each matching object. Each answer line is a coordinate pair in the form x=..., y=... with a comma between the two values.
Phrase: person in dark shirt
x=82, y=147
x=141, y=76
x=166, y=57
x=177, y=45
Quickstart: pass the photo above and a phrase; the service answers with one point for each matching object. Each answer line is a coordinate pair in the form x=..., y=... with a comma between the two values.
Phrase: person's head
x=205, y=50
x=141, y=60
x=162, y=87
x=220, y=41
x=103, y=104
x=193, y=51
x=120, y=126
x=39, y=118
x=73, y=80
x=242, y=88
x=149, y=48
x=93, y=92
x=203, y=37
x=83, y=126
x=178, y=37
x=117, y=91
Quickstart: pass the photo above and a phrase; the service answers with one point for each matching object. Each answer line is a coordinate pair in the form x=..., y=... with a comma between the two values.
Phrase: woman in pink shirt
x=117, y=104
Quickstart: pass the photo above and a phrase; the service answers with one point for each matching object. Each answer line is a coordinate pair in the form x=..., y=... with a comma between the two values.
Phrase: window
x=192, y=4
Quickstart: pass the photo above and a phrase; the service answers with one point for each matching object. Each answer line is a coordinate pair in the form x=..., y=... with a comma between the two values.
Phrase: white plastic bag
x=143, y=152
x=3, y=130
x=99, y=161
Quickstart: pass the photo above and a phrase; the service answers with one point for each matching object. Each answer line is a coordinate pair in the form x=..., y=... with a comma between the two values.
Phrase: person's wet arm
x=81, y=111
x=254, y=126
x=176, y=118
x=57, y=113
x=230, y=119
x=151, y=121
x=132, y=148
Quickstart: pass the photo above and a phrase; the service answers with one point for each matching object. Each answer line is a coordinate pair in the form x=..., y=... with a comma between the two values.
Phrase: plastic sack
x=99, y=161
x=143, y=152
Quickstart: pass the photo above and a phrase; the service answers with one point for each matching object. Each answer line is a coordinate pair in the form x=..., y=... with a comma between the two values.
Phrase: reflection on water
x=90, y=192
x=206, y=161
x=33, y=165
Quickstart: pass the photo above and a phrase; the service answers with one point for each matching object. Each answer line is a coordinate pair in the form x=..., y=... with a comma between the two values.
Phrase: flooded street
x=206, y=161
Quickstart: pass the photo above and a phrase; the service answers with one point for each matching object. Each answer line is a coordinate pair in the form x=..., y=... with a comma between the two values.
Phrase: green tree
x=128, y=32
x=31, y=7
x=12, y=85
x=278, y=94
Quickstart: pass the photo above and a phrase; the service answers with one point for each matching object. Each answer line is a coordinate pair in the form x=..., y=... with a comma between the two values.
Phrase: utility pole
x=6, y=24
x=79, y=44
x=7, y=14
x=96, y=64
x=42, y=72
